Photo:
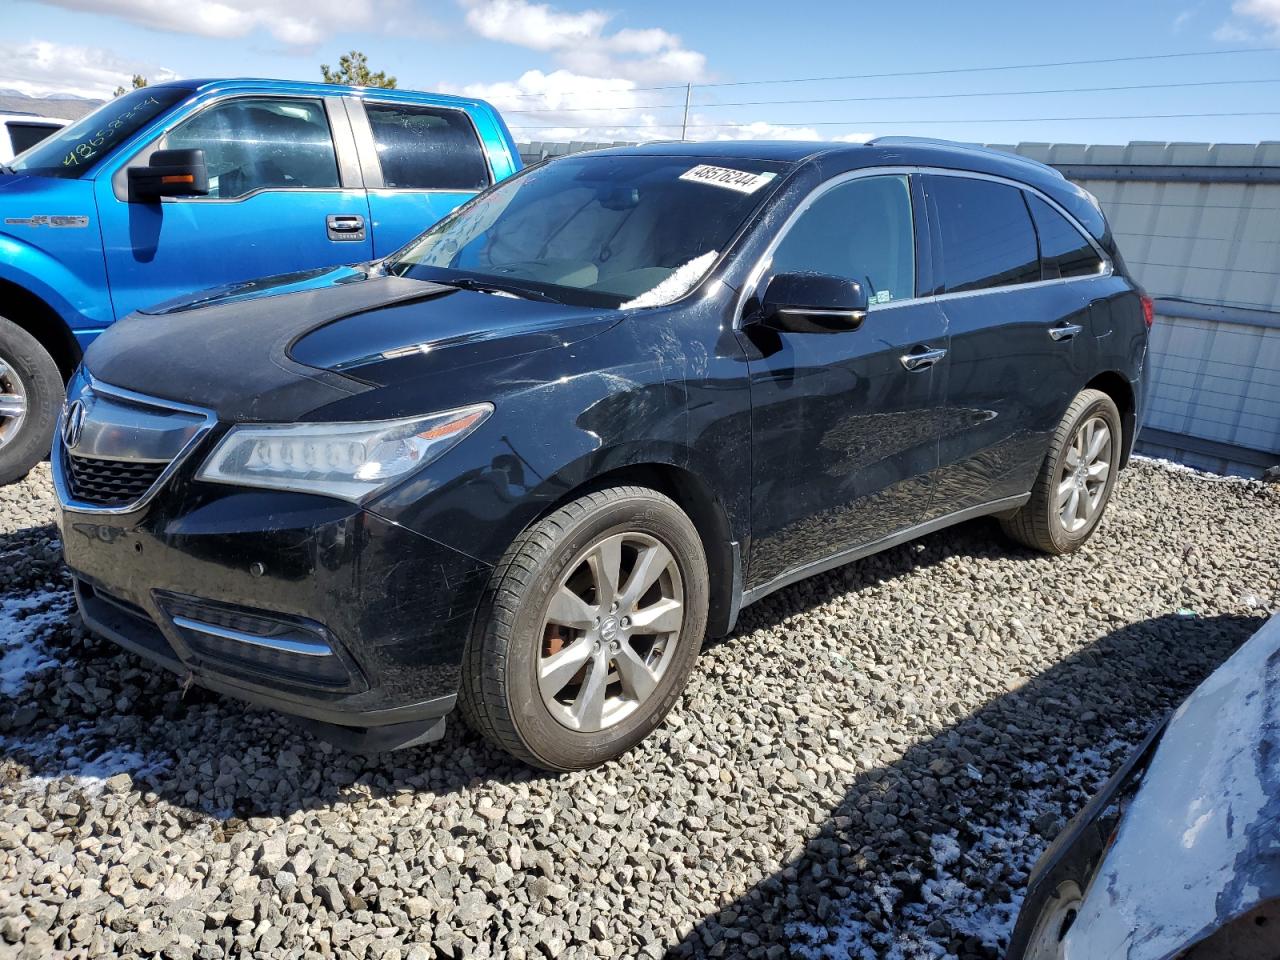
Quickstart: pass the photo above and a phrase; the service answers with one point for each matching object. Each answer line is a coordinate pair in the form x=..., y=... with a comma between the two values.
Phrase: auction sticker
x=730, y=179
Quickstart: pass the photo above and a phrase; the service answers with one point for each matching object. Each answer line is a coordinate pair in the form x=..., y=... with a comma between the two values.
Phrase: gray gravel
x=868, y=767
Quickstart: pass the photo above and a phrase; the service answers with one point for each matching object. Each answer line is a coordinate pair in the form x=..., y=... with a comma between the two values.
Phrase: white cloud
x=290, y=22
x=1264, y=14
x=569, y=106
x=42, y=67
x=580, y=43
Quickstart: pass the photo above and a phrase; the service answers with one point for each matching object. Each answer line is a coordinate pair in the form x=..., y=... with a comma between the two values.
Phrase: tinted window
x=987, y=237
x=267, y=143
x=427, y=148
x=24, y=136
x=861, y=230
x=80, y=145
x=1064, y=252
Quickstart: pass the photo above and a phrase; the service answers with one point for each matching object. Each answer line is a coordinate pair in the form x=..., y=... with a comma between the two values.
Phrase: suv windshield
x=81, y=145
x=629, y=231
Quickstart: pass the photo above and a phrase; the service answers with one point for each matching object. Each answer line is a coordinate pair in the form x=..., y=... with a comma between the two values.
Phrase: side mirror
x=170, y=173
x=813, y=303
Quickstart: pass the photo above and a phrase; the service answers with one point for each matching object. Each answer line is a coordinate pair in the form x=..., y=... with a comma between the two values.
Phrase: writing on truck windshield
x=81, y=145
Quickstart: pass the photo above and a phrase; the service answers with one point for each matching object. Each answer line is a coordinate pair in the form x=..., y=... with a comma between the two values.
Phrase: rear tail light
x=1148, y=310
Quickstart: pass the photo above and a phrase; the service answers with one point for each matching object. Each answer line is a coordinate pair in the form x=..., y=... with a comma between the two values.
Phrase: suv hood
x=278, y=349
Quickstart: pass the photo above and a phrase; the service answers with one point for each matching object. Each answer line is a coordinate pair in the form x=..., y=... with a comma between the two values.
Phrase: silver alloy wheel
x=1047, y=940
x=13, y=402
x=1085, y=469
x=610, y=631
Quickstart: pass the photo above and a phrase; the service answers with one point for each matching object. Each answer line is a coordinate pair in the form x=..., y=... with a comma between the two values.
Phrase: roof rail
x=903, y=140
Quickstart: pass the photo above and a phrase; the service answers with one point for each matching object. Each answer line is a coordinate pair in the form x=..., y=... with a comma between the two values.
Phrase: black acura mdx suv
x=528, y=462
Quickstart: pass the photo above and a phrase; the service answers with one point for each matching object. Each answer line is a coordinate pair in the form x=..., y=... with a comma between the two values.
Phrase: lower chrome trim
x=850, y=554
x=298, y=647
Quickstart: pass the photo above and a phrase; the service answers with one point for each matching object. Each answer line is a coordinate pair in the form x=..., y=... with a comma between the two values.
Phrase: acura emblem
x=73, y=423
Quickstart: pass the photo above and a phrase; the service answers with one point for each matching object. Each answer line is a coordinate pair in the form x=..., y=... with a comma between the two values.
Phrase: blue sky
x=582, y=70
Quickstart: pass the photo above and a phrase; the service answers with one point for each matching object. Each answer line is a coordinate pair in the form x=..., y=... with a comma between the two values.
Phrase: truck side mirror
x=169, y=173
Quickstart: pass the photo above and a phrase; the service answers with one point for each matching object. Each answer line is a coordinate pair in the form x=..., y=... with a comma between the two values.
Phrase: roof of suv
x=896, y=152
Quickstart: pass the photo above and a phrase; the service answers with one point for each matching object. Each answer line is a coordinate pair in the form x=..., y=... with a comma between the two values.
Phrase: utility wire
x=884, y=123
x=922, y=96
x=928, y=73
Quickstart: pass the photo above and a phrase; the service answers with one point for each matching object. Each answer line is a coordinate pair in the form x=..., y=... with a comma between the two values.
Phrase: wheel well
x=22, y=307
x=695, y=498
x=1121, y=391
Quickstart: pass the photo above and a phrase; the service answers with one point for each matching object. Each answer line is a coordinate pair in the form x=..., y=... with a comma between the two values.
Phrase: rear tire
x=1075, y=481
x=31, y=394
x=588, y=630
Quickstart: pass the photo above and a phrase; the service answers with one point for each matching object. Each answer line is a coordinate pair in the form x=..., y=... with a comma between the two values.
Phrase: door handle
x=345, y=226
x=923, y=360
x=1065, y=331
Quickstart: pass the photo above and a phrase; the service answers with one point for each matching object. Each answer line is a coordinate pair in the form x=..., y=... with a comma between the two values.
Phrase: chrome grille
x=115, y=448
x=110, y=483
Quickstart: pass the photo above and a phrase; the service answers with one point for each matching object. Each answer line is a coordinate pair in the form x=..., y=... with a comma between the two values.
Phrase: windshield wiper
x=503, y=286
x=5, y=168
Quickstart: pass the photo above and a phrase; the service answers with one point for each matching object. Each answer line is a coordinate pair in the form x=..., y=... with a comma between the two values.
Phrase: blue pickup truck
x=201, y=183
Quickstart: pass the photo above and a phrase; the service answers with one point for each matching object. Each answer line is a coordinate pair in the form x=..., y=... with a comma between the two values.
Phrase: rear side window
x=24, y=136
x=267, y=143
x=987, y=237
x=1064, y=252
x=426, y=148
x=861, y=230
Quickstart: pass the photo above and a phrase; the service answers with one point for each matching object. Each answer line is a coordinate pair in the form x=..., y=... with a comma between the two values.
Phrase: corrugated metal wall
x=1199, y=226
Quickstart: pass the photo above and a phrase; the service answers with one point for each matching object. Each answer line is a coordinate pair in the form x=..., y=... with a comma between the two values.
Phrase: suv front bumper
x=308, y=605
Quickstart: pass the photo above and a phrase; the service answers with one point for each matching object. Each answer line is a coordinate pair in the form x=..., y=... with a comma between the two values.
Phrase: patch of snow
x=23, y=621
x=963, y=871
x=69, y=753
x=1174, y=467
x=681, y=281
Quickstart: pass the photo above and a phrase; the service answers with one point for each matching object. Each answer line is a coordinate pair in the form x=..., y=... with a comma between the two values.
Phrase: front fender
x=79, y=297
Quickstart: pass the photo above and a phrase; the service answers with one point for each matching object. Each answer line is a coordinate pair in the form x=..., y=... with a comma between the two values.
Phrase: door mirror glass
x=813, y=303
x=170, y=173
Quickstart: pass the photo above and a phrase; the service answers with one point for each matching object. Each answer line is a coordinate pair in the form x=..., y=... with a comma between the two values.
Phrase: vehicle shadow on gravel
x=934, y=849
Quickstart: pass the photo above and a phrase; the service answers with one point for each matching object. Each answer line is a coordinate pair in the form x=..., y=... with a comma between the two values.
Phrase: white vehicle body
x=18, y=131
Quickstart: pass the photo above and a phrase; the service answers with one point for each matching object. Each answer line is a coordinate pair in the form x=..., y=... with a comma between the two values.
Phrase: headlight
x=345, y=460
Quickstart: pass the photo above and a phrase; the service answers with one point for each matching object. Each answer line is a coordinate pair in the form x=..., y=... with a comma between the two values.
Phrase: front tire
x=1075, y=481
x=31, y=394
x=588, y=630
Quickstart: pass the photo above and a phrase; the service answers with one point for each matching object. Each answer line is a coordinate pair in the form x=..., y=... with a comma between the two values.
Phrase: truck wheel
x=31, y=395
x=1075, y=482
x=588, y=630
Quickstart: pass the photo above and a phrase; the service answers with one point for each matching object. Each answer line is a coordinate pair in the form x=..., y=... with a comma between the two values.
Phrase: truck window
x=260, y=143
x=427, y=148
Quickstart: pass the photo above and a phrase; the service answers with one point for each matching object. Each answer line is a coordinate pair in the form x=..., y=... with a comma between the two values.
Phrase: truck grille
x=110, y=483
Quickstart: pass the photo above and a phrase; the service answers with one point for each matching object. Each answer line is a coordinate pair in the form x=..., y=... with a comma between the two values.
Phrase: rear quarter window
x=1064, y=251
x=427, y=148
x=987, y=237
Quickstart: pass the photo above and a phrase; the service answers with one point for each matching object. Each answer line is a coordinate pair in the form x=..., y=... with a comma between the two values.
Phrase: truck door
x=285, y=194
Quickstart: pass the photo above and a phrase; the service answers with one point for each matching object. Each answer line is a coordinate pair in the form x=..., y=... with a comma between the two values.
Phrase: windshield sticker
x=737, y=180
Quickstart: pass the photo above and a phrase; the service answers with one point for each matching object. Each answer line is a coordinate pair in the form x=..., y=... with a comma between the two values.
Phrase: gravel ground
x=867, y=768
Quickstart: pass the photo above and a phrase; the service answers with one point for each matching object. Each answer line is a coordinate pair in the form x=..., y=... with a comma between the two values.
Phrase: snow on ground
x=955, y=896
x=78, y=753
x=24, y=621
